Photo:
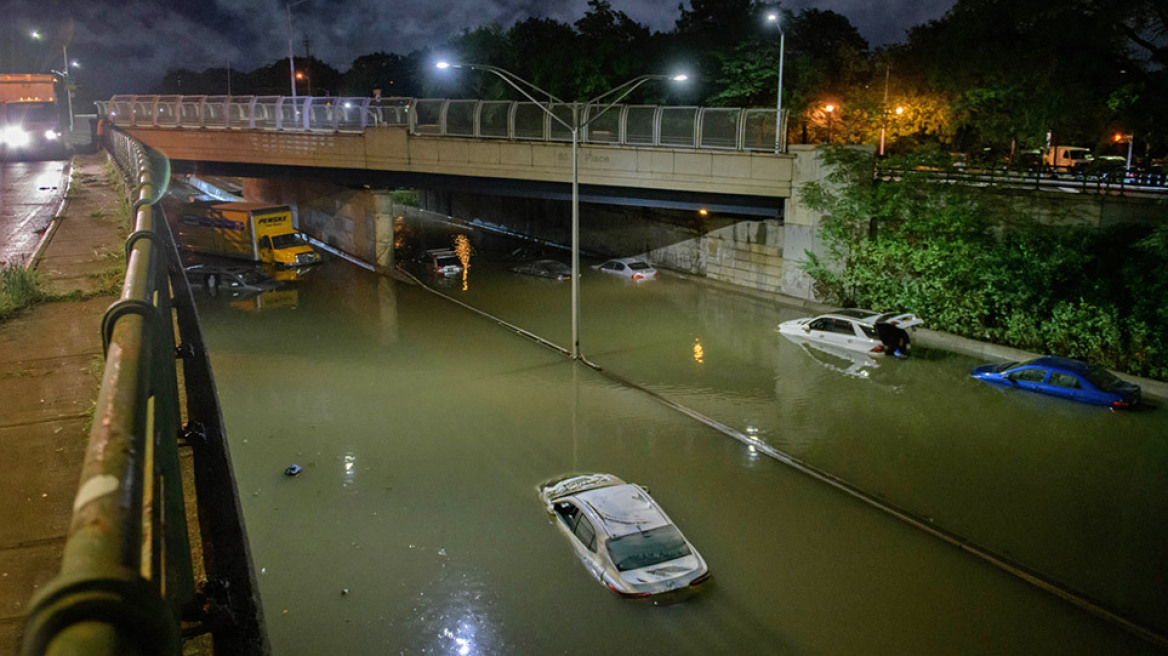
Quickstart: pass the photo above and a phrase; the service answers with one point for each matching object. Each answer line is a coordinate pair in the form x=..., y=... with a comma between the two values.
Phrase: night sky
x=127, y=46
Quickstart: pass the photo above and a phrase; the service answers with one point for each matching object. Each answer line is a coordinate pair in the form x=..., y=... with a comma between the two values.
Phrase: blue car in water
x=1065, y=378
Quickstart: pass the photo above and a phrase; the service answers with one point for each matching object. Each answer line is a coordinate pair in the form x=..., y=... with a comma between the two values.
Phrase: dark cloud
x=126, y=47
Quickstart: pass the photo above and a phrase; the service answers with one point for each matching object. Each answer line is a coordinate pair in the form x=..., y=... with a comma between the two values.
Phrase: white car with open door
x=874, y=333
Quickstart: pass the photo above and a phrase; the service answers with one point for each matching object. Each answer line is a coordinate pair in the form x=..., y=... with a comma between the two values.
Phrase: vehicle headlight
x=51, y=134
x=15, y=136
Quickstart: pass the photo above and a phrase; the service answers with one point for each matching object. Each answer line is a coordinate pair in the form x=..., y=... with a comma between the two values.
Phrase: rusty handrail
x=127, y=583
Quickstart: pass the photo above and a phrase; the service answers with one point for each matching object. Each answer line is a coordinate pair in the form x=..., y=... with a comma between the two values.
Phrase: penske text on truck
x=249, y=231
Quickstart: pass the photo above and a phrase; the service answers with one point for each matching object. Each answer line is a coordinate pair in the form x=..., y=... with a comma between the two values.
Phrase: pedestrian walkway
x=50, y=367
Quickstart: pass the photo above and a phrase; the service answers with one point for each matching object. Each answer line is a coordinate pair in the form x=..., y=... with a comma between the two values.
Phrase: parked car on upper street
x=874, y=333
x=628, y=267
x=553, y=269
x=233, y=280
x=622, y=536
x=1065, y=378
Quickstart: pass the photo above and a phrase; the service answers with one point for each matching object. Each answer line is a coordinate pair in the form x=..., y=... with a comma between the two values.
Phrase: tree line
x=991, y=78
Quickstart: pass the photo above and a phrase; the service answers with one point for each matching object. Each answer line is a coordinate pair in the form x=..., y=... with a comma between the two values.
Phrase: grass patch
x=19, y=288
x=117, y=182
x=109, y=281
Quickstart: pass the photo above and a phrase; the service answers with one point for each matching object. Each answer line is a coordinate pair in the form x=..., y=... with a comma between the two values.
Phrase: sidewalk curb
x=54, y=223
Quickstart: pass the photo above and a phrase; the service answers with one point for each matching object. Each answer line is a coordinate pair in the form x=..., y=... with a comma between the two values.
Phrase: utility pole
x=308, y=64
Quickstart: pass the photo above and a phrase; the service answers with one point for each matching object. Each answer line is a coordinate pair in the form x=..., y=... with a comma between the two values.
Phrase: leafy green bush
x=973, y=266
x=405, y=197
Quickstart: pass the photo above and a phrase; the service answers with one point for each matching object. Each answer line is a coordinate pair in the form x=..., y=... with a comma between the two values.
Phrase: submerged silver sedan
x=622, y=536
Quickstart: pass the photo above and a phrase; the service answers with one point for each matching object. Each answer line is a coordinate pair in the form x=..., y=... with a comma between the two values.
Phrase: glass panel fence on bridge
x=706, y=128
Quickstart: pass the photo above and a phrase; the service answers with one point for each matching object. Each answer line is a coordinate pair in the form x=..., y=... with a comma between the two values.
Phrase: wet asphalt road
x=30, y=192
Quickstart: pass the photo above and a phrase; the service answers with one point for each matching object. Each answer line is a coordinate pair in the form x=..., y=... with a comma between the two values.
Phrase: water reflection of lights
x=462, y=645
x=752, y=433
x=350, y=465
x=699, y=354
x=463, y=250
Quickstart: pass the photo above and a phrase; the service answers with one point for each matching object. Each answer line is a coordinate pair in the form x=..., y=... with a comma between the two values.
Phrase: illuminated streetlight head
x=899, y=110
x=829, y=108
x=774, y=18
x=680, y=77
x=443, y=65
x=35, y=34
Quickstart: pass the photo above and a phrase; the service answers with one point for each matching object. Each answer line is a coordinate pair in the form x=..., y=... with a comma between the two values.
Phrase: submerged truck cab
x=256, y=232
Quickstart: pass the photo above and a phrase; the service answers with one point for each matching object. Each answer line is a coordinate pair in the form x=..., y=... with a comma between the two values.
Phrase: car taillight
x=629, y=595
x=655, y=274
x=700, y=580
x=636, y=276
x=1120, y=404
x=879, y=348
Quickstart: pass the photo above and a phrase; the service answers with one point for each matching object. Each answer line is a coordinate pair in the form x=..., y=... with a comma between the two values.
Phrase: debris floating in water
x=292, y=470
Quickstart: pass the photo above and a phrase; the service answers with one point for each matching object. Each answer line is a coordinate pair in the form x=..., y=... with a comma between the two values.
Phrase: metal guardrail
x=127, y=581
x=707, y=128
x=1087, y=181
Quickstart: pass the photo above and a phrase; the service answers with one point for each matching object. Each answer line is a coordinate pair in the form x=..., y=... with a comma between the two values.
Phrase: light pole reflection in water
x=463, y=250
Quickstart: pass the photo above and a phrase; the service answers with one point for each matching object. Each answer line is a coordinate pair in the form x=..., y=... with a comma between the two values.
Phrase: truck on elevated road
x=30, y=114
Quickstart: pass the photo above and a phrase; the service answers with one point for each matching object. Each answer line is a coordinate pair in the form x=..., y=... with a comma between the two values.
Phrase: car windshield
x=287, y=240
x=447, y=260
x=657, y=545
x=639, y=266
x=1102, y=378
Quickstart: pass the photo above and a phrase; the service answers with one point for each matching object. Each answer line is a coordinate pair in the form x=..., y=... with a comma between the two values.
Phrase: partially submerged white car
x=622, y=536
x=873, y=333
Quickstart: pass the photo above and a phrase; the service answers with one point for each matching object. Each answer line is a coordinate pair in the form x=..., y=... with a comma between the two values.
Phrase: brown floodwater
x=423, y=430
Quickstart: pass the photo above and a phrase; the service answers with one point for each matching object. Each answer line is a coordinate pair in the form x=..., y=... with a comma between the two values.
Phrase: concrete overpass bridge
x=722, y=160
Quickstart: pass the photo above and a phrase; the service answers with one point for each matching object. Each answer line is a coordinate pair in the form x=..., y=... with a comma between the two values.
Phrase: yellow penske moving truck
x=242, y=230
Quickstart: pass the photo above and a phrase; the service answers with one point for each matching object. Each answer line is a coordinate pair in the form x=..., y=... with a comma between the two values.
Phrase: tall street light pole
x=65, y=75
x=779, y=145
x=291, y=57
x=620, y=92
x=68, y=85
x=884, y=109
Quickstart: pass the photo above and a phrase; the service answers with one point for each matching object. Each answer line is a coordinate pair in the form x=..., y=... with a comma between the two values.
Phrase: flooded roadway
x=423, y=430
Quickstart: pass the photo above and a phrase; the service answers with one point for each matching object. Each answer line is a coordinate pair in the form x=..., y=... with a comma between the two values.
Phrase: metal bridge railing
x=127, y=582
x=706, y=128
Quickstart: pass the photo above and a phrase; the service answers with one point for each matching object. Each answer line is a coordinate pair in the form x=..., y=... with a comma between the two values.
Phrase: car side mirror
x=806, y=329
